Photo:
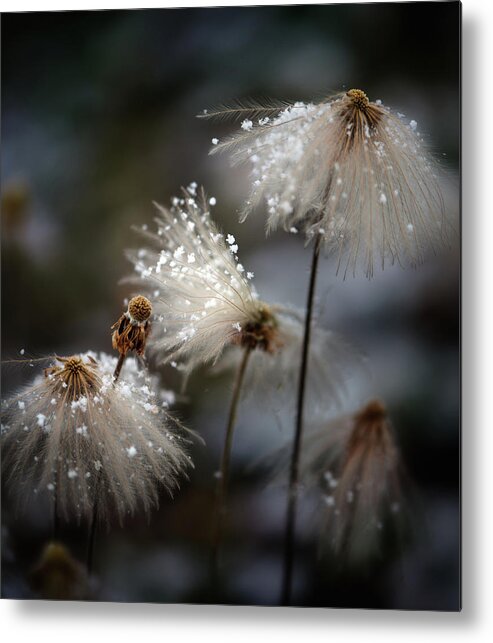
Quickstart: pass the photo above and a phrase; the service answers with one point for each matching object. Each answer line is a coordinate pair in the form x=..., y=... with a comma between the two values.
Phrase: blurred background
x=98, y=120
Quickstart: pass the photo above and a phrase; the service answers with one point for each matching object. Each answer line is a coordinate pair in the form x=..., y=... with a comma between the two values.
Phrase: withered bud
x=58, y=576
x=130, y=332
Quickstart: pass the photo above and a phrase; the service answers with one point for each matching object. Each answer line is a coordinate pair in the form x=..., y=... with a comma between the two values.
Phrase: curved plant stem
x=223, y=473
x=295, y=456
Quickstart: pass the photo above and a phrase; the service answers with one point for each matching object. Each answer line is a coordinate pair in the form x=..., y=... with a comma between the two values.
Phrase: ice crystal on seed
x=113, y=441
x=349, y=167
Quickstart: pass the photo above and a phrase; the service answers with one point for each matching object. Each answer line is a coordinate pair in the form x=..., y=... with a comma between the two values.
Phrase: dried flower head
x=58, y=576
x=76, y=434
x=347, y=169
x=201, y=294
x=130, y=332
x=356, y=460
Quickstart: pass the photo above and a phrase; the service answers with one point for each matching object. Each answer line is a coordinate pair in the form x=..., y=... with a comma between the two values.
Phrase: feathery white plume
x=76, y=433
x=202, y=296
x=349, y=170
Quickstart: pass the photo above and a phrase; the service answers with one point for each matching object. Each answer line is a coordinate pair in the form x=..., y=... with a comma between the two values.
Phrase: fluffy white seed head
x=100, y=439
x=202, y=296
x=349, y=170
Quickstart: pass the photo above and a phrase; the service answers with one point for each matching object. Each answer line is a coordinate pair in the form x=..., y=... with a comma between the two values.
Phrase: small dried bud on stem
x=131, y=331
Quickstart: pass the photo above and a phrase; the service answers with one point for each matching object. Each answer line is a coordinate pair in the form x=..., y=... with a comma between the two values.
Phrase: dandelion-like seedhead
x=356, y=461
x=347, y=169
x=77, y=435
x=202, y=296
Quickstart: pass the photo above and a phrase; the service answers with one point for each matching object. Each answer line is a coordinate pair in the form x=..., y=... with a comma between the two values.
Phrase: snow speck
x=230, y=239
x=215, y=141
x=131, y=452
x=41, y=419
x=212, y=200
x=179, y=252
x=21, y=405
x=72, y=473
x=382, y=199
x=22, y=351
x=247, y=125
x=413, y=125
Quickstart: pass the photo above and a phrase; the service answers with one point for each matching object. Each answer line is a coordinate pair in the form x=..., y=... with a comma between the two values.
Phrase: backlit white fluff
x=201, y=294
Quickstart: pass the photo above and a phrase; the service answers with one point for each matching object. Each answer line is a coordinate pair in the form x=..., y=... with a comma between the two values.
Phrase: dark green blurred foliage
x=98, y=120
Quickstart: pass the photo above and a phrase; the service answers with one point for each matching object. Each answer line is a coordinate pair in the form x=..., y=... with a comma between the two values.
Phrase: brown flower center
x=358, y=98
x=75, y=377
x=261, y=333
x=139, y=308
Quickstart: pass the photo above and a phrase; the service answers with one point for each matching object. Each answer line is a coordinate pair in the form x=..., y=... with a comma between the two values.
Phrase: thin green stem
x=223, y=473
x=289, y=544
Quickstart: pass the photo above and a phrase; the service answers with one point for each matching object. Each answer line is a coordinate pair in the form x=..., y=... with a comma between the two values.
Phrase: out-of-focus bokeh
x=98, y=120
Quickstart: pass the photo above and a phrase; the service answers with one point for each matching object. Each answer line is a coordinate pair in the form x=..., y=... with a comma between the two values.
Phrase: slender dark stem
x=56, y=520
x=295, y=456
x=119, y=365
x=92, y=532
x=223, y=473
x=92, y=538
